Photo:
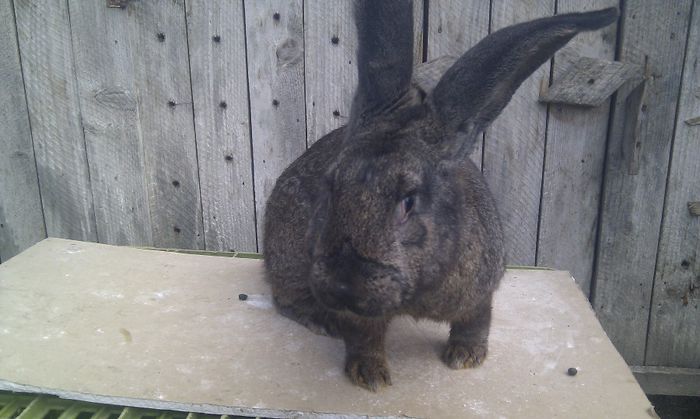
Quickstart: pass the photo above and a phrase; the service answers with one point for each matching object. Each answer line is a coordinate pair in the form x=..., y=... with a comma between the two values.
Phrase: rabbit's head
x=391, y=216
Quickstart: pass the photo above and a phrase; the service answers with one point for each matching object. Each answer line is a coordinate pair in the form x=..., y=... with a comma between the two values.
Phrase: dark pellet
x=223, y=104
x=276, y=16
x=171, y=103
x=176, y=183
x=275, y=102
x=242, y=297
x=216, y=38
x=336, y=113
x=335, y=40
x=161, y=37
x=228, y=157
x=572, y=371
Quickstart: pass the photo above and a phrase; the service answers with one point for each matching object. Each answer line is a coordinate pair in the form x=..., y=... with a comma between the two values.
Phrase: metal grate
x=27, y=406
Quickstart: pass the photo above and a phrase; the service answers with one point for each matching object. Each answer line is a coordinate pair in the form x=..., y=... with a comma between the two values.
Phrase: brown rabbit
x=387, y=215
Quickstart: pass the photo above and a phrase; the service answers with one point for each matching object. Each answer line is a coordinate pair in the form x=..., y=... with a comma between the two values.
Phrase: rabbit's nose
x=342, y=293
x=342, y=289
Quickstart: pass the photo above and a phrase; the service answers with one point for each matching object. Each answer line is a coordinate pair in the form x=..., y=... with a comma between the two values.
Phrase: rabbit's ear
x=477, y=87
x=384, y=56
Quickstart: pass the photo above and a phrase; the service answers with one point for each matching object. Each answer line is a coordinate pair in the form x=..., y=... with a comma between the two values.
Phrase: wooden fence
x=166, y=123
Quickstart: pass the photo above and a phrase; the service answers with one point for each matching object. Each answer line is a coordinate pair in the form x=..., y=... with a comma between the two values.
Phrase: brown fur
x=342, y=254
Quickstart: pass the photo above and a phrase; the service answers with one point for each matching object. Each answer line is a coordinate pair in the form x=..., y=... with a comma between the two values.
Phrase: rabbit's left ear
x=384, y=56
x=474, y=91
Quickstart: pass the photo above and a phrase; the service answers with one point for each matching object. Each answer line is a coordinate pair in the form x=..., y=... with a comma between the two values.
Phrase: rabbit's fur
x=388, y=215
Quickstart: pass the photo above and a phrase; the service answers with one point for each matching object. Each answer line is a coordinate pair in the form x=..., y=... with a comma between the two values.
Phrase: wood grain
x=514, y=145
x=574, y=160
x=454, y=26
x=590, y=82
x=674, y=329
x=158, y=46
x=21, y=218
x=109, y=101
x=216, y=37
x=633, y=204
x=274, y=38
x=43, y=30
x=330, y=47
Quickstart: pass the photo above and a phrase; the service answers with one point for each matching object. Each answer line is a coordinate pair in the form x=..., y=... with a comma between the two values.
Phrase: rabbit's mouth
x=371, y=295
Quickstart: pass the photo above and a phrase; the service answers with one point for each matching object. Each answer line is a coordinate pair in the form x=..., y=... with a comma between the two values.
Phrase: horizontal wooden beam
x=590, y=82
x=668, y=381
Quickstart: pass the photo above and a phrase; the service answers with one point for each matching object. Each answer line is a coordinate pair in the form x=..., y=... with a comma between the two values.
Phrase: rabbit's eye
x=408, y=203
x=405, y=207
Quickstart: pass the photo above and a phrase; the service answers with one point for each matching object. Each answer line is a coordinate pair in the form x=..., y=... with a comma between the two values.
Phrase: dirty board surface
x=164, y=330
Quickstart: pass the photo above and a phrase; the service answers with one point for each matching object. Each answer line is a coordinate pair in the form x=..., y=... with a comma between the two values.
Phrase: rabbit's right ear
x=474, y=91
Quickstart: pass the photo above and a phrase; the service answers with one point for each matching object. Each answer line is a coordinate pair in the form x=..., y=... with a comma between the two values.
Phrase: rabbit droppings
x=387, y=215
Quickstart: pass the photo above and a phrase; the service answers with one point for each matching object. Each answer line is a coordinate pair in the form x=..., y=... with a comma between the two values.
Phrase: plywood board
x=169, y=331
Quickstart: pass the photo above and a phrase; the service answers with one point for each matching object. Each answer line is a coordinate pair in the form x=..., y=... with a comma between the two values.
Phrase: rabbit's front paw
x=460, y=355
x=367, y=371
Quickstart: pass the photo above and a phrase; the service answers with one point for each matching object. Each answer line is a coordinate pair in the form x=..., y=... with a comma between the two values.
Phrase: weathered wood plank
x=110, y=118
x=590, y=82
x=574, y=160
x=330, y=47
x=216, y=37
x=21, y=218
x=668, y=381
x=46, y=51
x=454, y=26
x=674, y=329
x=274, y=37
x=158, y=41
x=632, y=204
x=514, y=145
x=694, y=208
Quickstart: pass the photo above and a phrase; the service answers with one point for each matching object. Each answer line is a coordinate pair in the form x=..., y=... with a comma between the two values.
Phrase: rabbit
x=387, y=215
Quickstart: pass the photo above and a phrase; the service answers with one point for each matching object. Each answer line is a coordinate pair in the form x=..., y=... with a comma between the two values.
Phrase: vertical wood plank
x=46, y=51
x=514, y=145
x=216, y=38
x=454, y=26
x=110, y=117
x=330, y=48
x=21, y=218
x=274, y=37
x=633, y=204
x=158, y=41
x=674, y=329
x=574, y=159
